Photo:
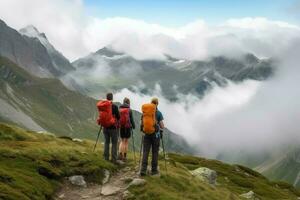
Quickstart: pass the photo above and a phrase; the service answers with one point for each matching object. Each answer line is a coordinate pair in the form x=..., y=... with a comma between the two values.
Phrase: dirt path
x=114, y=189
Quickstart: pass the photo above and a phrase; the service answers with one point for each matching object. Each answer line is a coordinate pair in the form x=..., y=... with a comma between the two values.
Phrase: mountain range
x=42, y=90
x=43, y=103
x=119, y=70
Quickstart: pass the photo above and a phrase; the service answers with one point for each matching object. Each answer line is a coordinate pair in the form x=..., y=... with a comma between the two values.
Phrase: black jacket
x=130, y=115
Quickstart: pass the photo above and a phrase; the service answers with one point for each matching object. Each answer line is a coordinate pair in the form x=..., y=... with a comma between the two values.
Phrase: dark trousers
x=150, y=142
x=110, y=135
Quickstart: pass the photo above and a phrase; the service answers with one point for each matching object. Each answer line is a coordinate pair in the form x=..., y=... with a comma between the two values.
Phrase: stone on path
x=78, y=180
x=126, y=169
x=106, y=176
x=137, y=182
x=109, y=190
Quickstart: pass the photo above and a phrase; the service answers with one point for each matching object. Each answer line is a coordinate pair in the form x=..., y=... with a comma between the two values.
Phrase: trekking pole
x=97, y=138
x=133, y=146
x=142, y=141
x=163, y=146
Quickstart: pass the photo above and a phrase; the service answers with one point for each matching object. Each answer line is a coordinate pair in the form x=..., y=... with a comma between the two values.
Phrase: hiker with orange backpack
x=126, y=126
x=152, y=126
x=108, y=119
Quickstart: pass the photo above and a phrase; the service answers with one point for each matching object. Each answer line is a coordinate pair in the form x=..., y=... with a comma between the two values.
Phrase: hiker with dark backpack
x=126, y=126
x=152, y=126
x=108, y=118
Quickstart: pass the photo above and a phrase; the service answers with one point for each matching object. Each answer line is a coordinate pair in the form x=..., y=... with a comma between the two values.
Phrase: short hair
x=126, y=101
x=154, y=100
x=109, y=96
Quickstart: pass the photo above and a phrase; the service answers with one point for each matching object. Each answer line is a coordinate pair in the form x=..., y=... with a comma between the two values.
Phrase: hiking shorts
x=125, y=132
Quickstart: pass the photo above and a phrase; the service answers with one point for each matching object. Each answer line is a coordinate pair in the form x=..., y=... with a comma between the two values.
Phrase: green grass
x=32, y=165
x=232, y=181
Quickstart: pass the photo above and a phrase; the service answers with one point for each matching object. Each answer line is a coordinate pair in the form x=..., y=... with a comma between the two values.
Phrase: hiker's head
x=126, y=101
x=109, y=96
x=154, y=100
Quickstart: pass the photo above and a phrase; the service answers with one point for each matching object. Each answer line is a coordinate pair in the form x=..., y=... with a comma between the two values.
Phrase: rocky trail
x=113, y=188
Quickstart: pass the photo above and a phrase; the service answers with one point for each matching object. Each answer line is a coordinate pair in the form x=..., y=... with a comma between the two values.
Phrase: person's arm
x=161, y=121
x=141, y=126
x=116, y=112
x=131, y=119
x=161, y=124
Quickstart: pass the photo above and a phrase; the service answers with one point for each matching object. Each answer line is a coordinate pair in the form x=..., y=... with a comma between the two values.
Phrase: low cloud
x=189, y=116
x=250, y=116
x=75, y=33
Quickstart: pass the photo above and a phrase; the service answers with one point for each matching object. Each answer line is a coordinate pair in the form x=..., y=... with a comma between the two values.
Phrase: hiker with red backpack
x=108, y=118
x=152, y=126
x=126, y=126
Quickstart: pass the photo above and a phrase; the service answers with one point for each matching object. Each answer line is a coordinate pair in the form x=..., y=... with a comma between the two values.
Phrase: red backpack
x=125, y=118
x=106, y=118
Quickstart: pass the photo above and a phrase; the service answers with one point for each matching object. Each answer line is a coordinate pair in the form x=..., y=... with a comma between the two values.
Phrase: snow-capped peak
x=33, y=32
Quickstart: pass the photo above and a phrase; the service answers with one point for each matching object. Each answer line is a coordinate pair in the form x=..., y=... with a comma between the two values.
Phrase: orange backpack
x=149, y=125
x=106, y=118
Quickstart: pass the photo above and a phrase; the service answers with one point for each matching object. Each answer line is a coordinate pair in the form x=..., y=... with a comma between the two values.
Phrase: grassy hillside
x=46, y=104
x=232, y=181
x=32, y=166
x=283, y=166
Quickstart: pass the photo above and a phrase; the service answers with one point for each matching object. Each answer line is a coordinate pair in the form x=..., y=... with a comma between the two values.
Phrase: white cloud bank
x=75, y=33
x=250, y=117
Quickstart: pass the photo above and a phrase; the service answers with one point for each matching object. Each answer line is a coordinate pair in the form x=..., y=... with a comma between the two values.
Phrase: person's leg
x=114, y=141
x=121, y=147
x=106, y=143
x=146, y=150
x=155, y=152
x=126, y=136
x=125, y=148
x=125, y=145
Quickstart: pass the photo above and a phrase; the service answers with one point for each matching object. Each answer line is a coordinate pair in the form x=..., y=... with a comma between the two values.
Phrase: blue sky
x=180, y=12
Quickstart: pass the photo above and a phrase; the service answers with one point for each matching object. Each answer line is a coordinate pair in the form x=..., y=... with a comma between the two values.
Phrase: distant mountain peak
x=2, y=22
x=251, y=58
x=107, y=51
x=32, y=31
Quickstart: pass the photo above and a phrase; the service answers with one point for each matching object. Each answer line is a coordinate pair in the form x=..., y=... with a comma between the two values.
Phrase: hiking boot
x=124, y=157
x=153, y=173
x=120, y=156
x=143, y=174
x=113, y=161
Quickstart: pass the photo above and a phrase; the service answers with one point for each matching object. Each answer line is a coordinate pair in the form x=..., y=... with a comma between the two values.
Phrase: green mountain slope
x=32, y=166
x=284, y=166
x=43, y=104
